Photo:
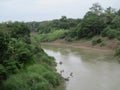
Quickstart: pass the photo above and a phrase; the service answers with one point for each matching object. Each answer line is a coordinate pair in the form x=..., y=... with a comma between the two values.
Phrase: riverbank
x=85, y=44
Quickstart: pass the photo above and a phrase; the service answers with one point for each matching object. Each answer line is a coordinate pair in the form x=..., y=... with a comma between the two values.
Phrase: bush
x=96, y=41
x=35, y=77
x=104, y=32
x=111, y=33
x=117, y=52
x=19, y=69
x=26, y=81
x=52, y=78
x=69, y=39
x=48, y=60
x=102, y=44
x=57, y=34
x=3, y=73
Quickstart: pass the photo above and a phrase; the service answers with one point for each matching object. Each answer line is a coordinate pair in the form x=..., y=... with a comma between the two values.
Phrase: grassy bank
x=57, y=34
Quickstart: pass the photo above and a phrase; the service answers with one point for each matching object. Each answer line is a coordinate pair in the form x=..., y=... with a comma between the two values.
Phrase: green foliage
x=19, y=31
x=105, y=31
x=47, y=59
x=96, y=9
x=109, y=15
x=111, y=33
x=97, y=21
x=45, y=27
x=26, y=81
x=117, y=52
x=4, y=40
x=72, y=35
x=16, y=53
x=52, y=78
x=36, y=77
x=102, y=44
x=23, y=63
x=91, y=25
x=2, y=73
x=58, y=34
x=96, y=41
x=116, y=22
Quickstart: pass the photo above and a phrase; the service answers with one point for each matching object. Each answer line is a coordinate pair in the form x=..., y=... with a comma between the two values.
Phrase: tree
x=96, y=9
x=118, y=12
x=20, y=31
x=4, y=41
x=63, y=18
x=91, y=25
x=116, y=22
x=109, y=15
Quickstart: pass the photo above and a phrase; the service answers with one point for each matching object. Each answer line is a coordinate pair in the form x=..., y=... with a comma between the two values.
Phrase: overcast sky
x=39, y=10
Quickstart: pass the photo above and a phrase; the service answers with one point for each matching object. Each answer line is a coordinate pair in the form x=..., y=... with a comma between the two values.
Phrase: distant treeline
x=97, y=21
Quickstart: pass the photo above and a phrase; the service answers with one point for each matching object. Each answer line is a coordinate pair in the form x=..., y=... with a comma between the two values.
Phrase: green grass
x=57, y=34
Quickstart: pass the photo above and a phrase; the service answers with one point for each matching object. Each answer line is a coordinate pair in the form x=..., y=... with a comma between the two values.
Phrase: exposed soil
x=110, y=44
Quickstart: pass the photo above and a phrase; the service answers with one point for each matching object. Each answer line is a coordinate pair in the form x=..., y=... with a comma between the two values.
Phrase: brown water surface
x=91, y=69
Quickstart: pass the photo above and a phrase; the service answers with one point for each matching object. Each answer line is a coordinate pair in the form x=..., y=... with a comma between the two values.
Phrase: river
x=87, y=69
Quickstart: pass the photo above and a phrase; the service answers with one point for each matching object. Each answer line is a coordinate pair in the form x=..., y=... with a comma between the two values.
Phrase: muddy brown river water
x=86, y=69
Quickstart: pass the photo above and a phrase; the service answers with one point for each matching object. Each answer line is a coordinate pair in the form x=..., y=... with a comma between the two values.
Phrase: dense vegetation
x=23, y=63
x=96, y=22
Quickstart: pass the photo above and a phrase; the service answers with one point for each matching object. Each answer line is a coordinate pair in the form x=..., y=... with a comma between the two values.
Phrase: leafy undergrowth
x=39, y=76
x=57, y=34
x=27, y=66
x=35, y=77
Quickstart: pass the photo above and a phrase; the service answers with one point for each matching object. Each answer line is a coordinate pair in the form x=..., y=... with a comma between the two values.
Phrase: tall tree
x=109, y=15
x=96, y=9
x=91, y=25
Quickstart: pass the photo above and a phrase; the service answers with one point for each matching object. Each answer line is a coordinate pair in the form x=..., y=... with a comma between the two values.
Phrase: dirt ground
x=110, y=44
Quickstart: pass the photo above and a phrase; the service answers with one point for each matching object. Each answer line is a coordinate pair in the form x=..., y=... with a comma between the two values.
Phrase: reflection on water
x=91, y=69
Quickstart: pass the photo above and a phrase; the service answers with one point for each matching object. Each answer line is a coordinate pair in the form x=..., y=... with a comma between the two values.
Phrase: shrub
x=52, y=78
x=48, y=60
x=96, y=41
x=57, y=34
x=110, y=33
x=102, y=44
x=69, y=39
x=3, y=73
x=104, y=32
x=35, y=77
x=117, y=52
